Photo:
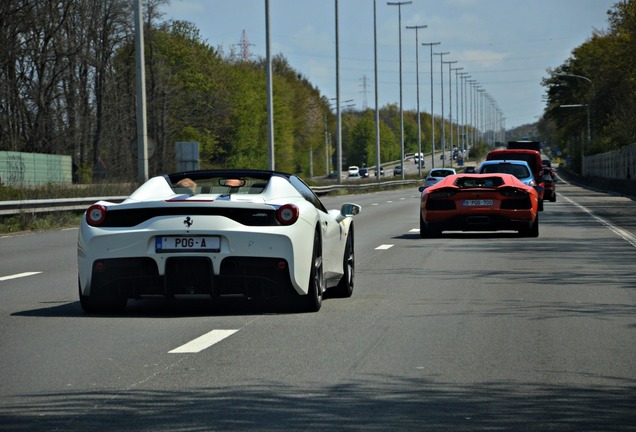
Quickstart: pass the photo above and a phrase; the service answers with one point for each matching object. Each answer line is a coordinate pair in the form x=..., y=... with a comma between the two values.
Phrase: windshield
x=222, y=183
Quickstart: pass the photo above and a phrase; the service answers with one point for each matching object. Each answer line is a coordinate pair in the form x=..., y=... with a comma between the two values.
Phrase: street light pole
x=271, y=161
x=589, y=126
x=338, y=114
x=431, y=44
x=450, y=106
x=377, y=108
x=417, y=89
x=461, y=130
x=399, y=5
x=441, y=69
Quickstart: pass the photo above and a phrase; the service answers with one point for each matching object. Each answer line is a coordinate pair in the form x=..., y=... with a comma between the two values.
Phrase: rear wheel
x=313, y=300
x=427, y=231
x=345, y=286
x=533, y=231
x=113, y=303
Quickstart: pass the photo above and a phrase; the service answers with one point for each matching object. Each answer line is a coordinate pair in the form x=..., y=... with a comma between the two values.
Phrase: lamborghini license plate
x=478, y=203
x=187, y=244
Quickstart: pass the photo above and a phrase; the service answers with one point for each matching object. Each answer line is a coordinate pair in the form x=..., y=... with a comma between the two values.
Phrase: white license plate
x=478, y=203
x=187, y=244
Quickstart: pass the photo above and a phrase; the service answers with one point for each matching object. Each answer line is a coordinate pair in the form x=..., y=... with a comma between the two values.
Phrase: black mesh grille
x=133, y=217
x=516, y=204
x=440, y=204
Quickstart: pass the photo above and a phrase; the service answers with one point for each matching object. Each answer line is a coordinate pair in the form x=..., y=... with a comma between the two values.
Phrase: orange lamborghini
x=479, y=202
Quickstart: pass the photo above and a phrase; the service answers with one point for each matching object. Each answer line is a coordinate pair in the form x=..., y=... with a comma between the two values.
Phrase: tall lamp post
x=589, y=124
x=471, y=114
x=441, y=70
x=377, y=107
x=417, y=89
x=461, y=131
x=450, y=105
x=399, y=5
x=338, y=114
x=431, y=44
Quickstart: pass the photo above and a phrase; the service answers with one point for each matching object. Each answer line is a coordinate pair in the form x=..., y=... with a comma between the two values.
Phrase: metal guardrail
x=12, y=208
x=322, y=190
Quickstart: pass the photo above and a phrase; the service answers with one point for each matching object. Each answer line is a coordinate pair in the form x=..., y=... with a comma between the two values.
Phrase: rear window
x=473, y=182
x=441, y=173
x=227, y=183
x=516, y=170
x=532, y=158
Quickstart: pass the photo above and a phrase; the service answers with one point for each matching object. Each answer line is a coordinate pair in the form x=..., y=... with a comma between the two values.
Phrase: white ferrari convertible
x=216, y=233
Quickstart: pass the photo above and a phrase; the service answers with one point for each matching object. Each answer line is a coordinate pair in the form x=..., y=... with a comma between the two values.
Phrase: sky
x=505, y=45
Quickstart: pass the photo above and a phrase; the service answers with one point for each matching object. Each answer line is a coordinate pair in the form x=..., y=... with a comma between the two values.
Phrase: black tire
x=533, y=231
x=345, y=286
x=426, y=231
x=540, y=205
x=102, y=304
x=553, y=197
x=313, y=300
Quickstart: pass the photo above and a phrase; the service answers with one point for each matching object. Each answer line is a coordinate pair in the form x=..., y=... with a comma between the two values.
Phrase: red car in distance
x=549, y=180
x=532, y=157
x=479, y=202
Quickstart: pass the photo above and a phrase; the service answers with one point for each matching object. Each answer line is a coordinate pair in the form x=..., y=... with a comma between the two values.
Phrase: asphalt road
x=474, y=332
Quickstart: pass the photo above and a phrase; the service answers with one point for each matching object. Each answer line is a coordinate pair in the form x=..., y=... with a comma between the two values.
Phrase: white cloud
x=482, y=58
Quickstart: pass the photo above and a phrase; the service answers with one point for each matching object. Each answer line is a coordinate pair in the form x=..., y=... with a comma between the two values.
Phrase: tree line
x=592, y=95
x=67, y=86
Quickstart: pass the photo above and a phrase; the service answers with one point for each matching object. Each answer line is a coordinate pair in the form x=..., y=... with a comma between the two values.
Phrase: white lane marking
x=414, y=230
x=625, y=235
x=203, y=342
x=18, y=275
x=384, y=247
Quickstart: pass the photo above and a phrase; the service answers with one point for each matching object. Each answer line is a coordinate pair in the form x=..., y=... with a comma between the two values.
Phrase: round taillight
x=287, y=214
x=96, y=214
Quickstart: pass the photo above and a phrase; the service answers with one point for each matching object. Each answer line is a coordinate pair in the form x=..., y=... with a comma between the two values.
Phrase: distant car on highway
x=479, y=202
x=549, y=184
x=354, y=171
x=397, y=170
x=532, y=157
x=364, y=172
x=470, y=170
x=437, y=174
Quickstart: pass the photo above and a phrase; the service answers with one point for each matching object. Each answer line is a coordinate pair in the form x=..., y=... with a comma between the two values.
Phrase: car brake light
x=96, y=214
x=287, y=214
x=445, y=193
x=512, y=192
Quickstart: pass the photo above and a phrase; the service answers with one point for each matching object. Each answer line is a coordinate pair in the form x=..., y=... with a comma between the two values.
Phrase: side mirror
x=421, y=188
x=350, y=209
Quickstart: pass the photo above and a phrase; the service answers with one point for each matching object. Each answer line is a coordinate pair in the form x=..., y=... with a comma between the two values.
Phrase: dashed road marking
x=203, y=342
x=18, y=275
x=384, y=247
